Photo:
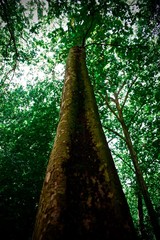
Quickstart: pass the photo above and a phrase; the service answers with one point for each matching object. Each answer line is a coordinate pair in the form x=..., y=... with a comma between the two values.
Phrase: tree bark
x=81, y=198
x=139, y=175
x=141, y=217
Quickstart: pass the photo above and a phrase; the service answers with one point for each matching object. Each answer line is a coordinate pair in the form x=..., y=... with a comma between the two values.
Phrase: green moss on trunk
x=82, y=197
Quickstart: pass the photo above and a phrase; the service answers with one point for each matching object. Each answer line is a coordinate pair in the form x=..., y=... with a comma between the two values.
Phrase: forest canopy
x=122, y=45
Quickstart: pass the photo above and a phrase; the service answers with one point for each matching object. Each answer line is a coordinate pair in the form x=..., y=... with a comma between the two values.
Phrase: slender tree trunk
x=82, y=198
x=141, y=217
x=139, y=175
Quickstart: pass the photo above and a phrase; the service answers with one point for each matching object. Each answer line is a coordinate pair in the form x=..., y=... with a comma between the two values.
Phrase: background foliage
x=122, y=46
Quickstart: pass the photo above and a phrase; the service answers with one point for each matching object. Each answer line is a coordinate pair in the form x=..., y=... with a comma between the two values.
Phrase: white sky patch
x=59, y=69
x=31, y=74
x=44, y=65
x=38, y=71
x=34, y=9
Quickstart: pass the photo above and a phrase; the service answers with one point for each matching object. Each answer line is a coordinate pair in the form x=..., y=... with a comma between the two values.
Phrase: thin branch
x=118, y=155
x=111, y=109
x=108, y=105
x=87, y=32
x=113, y=100
x=9, y=26
x=118, y=106
x=6, y=76
x=109, y=80
x=121, y=87
x=116, y=133
x=133, y=82
x=127, y=94
x=104, y=44
x=110, y=140
x=11, y=70
x=7, y=45
x=129, y=47
x=132, y=118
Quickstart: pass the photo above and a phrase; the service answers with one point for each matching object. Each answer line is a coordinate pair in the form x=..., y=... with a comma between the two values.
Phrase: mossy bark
x=82, y=198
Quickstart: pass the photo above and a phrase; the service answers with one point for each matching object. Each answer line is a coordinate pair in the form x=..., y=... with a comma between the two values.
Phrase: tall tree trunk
x=82, y=198
x=139, y=175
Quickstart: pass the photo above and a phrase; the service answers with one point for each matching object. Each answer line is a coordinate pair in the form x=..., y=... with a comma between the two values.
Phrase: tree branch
x=6, y=76
x=115, y=132
x=130, y=47
x=111, y=109
x=104, y=44
x=132, y=118
x=87, y=32
x=9, y=25
x=121, y=87
x=118, y=155
x=108, y=105
x=127, y=94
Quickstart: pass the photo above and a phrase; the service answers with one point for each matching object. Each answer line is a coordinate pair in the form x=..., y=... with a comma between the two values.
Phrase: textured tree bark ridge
x=82, y=198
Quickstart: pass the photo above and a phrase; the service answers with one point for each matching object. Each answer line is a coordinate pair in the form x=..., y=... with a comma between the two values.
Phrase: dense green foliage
x=28, y=125
x=123, y=51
